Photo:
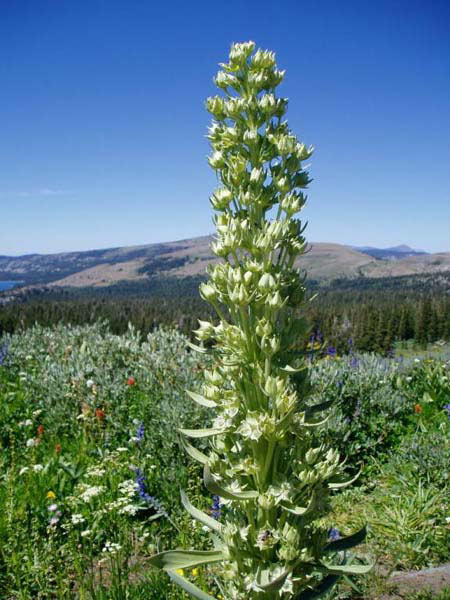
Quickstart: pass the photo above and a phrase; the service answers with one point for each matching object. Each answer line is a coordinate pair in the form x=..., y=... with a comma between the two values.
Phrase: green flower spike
x=264, y=462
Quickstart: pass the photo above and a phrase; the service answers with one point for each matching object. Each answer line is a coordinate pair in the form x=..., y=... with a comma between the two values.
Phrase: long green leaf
x=347, y=542
x=343, y=484
x=315, y=423
x=349, y=569
x=289, y=369
x=271, y=585
x=189, y=587
x=197, y=348
x=310, y=410
x=193, y=452
x=324, y=586
x=199, y=515
x=185, y=559
x=201, y=399
x=299, y=510
x=200, y=433
x=215, y=488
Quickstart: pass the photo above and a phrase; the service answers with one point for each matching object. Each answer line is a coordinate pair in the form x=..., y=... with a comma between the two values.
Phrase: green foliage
x=403, y=495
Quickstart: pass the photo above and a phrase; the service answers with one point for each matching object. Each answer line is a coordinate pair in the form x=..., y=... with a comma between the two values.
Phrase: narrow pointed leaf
x=347, y=542
x=199, y=515
x=310, y=410
x=189, y=587
x=200, y=433
x=271, y=585
x=215, y=488
x=289, y=369
x=193, y=452
x=185, y=559
x=201, y=400
x=349, y=569
x=343, y=484
x=315, y=423
x=197, y=348
x=324, y=586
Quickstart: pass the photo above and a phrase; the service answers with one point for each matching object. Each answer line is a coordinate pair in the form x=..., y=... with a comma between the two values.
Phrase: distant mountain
x=393, y=253
x=190, y=257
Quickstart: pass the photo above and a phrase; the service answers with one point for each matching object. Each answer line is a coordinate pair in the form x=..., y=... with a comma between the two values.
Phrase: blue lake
x=7, y=285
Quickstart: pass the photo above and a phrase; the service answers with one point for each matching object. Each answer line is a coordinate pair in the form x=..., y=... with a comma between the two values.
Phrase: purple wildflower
x=447, y=408
x=331, y=351
x=334, y=534
x=3, y=352
x=145, y=496
x=140, y=432
x=215, y=509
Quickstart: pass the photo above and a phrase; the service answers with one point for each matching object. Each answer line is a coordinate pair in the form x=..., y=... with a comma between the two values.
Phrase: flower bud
x=216, y=160
x=207, y=292
x=266, y=282
x=221, y=198
x=205, y=331
x=257, y=176
x=215, y=105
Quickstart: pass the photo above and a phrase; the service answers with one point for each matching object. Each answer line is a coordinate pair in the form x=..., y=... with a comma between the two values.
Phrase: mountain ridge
x=190, y=256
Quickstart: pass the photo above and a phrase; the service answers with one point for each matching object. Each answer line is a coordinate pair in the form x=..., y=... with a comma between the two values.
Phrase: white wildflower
x=37, y=468
x=91, y=492
x=77, y=518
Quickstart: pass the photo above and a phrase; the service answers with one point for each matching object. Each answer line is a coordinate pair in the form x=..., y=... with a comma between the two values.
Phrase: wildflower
x=140, y=431
x=95, y=471
x=53, y=507
x=100, y=414
x=179, y=571
x=131, y=381
x=30, y=443
x=447, y=408
x=85, y=533
x=215, y=509
x=54, y=521
x=111, y=547
x=417, y=408
x=23, y=470
x=28, y=423
x=77, y=518
x=51, y=495
x=331, y=352
x=89, y=383
x=40, y=430
x=37, y=468
x=194, y=572
x=58, y=448
x=145, y=496
x=91, y=492
x=333, y=534
x=3, y=353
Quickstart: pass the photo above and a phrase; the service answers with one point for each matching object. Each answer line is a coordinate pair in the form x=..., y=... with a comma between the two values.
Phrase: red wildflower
x=40, y=430
x=100, y=414
x=418, y=408
x=131, y=381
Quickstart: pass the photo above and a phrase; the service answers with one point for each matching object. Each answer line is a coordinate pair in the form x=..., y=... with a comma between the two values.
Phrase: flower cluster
x=264, y=461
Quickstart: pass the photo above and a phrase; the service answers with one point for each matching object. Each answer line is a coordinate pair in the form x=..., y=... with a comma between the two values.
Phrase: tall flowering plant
x=263, y=462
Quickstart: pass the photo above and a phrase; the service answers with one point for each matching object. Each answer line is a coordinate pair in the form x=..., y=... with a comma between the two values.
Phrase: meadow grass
x=91, y=463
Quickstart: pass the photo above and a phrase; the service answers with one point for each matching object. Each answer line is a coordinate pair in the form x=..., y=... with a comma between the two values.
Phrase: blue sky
x=103, y=124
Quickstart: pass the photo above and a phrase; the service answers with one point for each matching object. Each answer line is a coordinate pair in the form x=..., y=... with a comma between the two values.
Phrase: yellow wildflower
x=51, y=495
x=194, y=572
x=179, y=571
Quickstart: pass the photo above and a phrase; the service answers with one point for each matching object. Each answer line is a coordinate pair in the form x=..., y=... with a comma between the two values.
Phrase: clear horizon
x=103, y=124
